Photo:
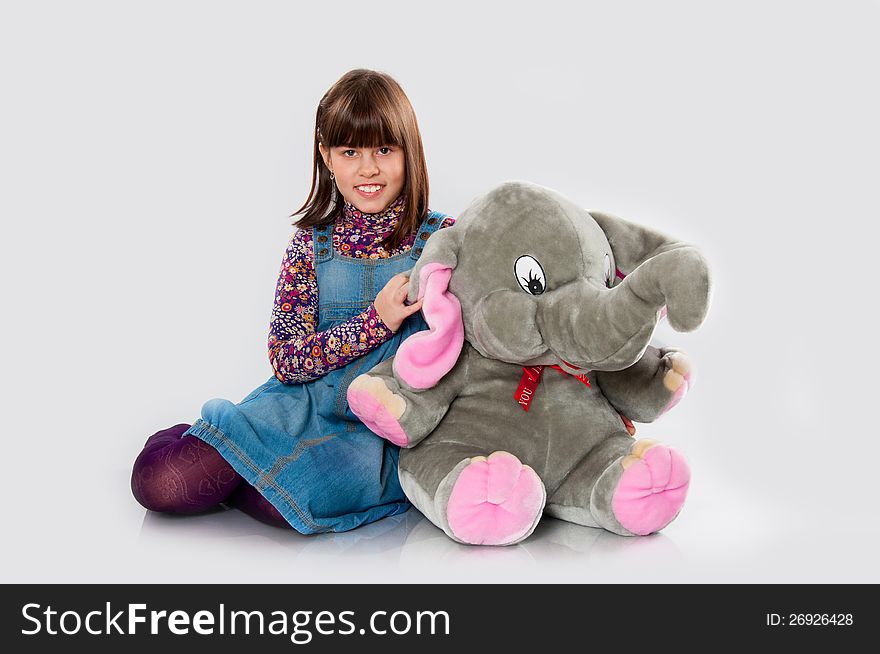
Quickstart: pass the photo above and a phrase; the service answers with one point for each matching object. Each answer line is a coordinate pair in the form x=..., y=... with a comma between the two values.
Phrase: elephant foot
x=678, y=378
x=644, y=490
x=496, y=500
x=652, y=489
x=378, y=408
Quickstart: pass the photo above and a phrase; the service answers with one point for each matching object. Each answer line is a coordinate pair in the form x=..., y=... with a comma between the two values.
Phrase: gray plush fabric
x=584, y=315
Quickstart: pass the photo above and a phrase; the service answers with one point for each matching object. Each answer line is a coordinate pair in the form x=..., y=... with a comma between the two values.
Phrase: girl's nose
x=369, y=165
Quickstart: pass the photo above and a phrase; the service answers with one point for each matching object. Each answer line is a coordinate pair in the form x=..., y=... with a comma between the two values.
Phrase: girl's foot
x=181, y=474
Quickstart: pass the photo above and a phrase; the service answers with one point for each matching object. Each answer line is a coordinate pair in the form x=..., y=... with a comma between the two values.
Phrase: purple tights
x=183, y=474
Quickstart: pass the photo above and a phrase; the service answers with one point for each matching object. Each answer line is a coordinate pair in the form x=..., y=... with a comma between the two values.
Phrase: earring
x=331, y=175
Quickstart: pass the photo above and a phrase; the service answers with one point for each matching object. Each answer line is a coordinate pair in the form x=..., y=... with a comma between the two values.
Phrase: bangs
x=366, y=109
x=364, y=123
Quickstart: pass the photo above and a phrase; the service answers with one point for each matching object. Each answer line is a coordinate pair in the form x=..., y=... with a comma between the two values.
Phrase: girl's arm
x=297, y=352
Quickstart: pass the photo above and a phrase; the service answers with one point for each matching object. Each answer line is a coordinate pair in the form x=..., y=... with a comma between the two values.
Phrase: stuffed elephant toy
x=519, y=399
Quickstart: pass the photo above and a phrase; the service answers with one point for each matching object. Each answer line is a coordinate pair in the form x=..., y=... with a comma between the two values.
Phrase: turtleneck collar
x=383, y=221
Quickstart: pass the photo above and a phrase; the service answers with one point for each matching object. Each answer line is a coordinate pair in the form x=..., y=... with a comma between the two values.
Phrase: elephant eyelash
x=535, y=284
x=530, y=275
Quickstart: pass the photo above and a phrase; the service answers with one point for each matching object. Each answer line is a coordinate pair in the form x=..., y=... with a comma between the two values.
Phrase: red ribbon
x=529, y=382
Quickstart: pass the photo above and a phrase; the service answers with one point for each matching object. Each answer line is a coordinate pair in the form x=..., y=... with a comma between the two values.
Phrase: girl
x=292, y=453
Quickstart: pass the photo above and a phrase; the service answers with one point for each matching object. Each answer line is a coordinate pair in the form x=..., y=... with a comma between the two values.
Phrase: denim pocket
x=340, y=313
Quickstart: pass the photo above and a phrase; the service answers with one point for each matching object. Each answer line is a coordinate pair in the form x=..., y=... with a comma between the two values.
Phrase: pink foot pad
x=652, y=490
x=680, y=392
x=495, y=501
x=376, y=416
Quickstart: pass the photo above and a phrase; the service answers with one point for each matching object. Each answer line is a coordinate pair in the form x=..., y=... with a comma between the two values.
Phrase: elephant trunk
x=609, y=329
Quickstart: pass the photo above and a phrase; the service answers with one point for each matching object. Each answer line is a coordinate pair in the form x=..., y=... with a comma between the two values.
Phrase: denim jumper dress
x=299, y=444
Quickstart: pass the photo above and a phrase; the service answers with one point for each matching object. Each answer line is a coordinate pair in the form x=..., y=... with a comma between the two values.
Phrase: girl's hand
x=389, y=303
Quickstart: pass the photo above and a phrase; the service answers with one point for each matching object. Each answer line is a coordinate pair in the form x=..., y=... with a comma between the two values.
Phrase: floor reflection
x=402, y=548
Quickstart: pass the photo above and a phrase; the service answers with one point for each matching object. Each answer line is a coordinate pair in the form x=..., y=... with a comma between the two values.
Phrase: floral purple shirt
x=297, y=352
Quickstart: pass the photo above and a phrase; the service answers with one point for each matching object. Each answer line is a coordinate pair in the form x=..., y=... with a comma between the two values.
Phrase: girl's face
x=356, y=168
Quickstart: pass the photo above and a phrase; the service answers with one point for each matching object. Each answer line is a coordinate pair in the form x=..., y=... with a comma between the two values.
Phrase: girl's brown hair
x=364, y=109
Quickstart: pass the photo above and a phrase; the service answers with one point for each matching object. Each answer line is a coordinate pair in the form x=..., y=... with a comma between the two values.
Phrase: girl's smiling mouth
x=369, y=190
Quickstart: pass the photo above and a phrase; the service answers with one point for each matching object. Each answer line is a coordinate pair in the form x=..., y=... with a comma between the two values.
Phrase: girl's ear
x=424, y=358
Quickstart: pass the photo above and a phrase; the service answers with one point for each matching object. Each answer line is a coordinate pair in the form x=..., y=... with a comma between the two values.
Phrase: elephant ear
x=632, y=244
x=424, y=358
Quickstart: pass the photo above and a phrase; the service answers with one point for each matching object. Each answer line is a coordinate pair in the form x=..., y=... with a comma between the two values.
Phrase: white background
x=152, y=154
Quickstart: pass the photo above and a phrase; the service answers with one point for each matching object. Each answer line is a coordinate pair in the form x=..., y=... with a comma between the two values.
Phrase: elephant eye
x=609, y=271
x=530, y=275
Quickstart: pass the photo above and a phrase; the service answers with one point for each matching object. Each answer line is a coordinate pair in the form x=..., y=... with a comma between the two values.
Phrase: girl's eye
x=384, y=147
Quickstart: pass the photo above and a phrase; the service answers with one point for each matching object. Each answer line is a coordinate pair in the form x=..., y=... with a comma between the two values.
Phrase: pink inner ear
x=425, y=357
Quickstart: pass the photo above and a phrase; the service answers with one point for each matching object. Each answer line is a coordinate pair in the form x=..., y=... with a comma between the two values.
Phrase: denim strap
x=430, y=225
x=322, y=241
